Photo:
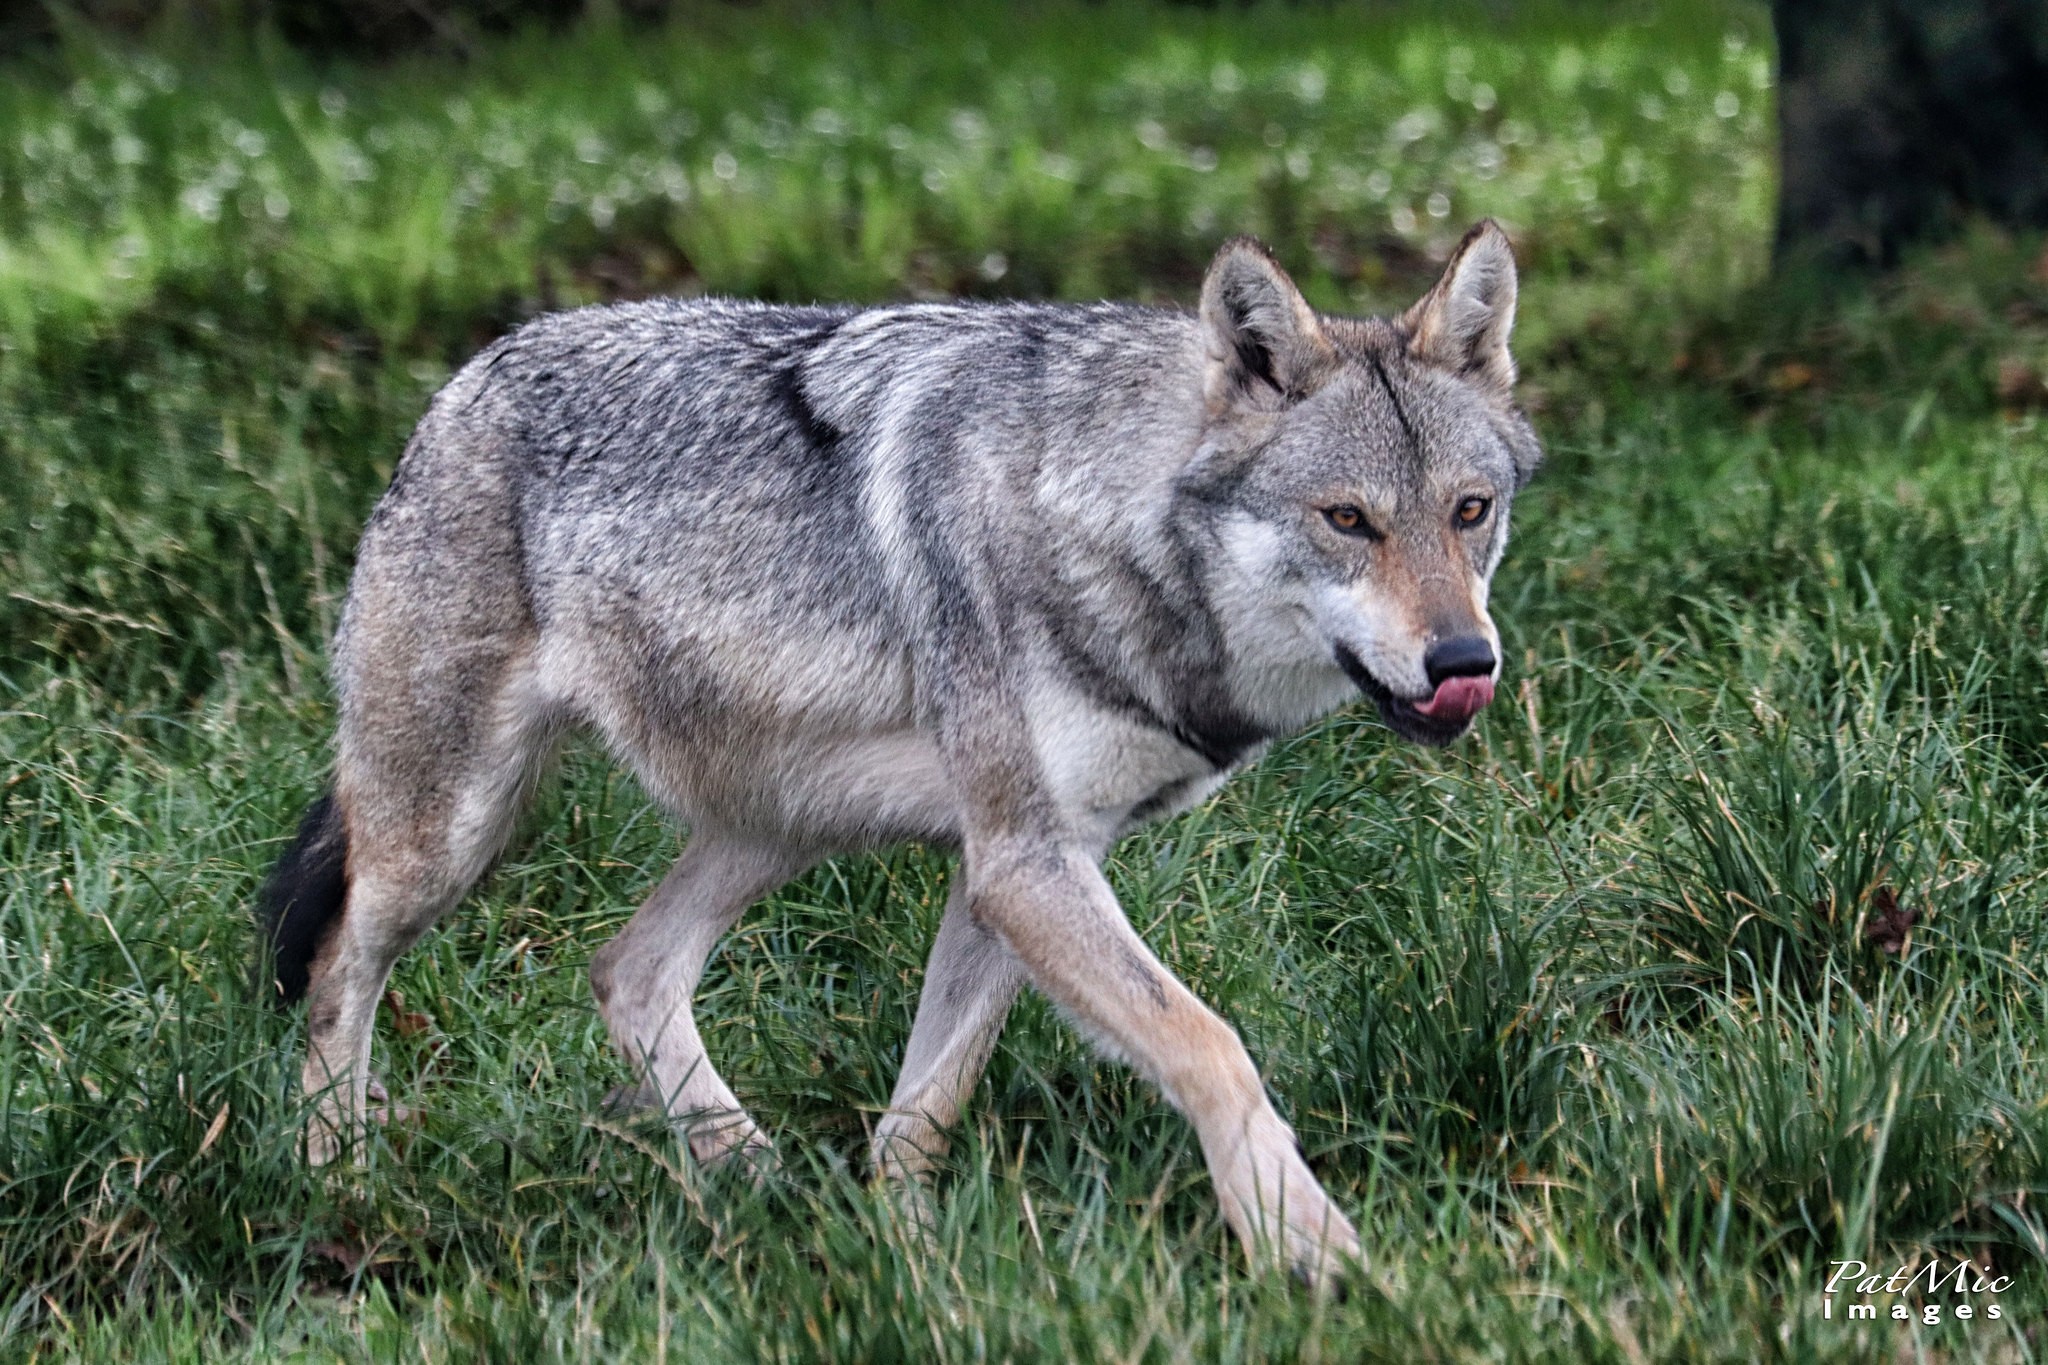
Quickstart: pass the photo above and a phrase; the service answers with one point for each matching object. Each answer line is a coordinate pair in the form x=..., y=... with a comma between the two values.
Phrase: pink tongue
x=1458, y=699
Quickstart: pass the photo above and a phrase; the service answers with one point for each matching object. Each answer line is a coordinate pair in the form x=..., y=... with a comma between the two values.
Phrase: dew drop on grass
x=202, y=202
x=968, y=125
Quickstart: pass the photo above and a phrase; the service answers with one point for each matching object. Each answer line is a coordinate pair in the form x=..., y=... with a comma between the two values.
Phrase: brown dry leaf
x=341, y=1253
x=1889, y=922
x=1793, y=374
x=408, y=1023
x=213, y=1131
x=1615, y=1016
x=2020, y=385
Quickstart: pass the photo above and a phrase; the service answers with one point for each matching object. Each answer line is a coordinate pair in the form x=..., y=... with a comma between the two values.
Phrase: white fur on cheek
x=1383, y=639
x=1283, y=668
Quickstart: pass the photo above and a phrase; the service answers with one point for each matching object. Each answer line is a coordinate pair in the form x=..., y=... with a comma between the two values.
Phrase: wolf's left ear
x=1265, y=346
x=1463, y=322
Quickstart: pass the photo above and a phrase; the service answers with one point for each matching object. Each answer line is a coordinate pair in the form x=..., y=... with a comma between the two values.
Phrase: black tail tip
x=300, y=901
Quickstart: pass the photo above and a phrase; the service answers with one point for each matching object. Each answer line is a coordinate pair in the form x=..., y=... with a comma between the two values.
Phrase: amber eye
x=1472, y=511
x=1349, y=521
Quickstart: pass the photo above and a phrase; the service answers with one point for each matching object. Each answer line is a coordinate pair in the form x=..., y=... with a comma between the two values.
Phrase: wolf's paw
x=629, y=1101
x=1324, y=1252
x=731, y=1144
x=1307, y=1235
x=325, y=1140
x=910, y=1216
x=1281, y=1213
x=332, y=1131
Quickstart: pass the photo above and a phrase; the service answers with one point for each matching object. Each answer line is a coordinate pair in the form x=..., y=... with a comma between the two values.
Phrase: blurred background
x=1713, y=955
x=376, y=189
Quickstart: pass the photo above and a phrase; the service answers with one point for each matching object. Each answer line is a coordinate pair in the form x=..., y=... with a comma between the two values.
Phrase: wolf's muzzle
x=1461, y=656
x=1461, y=671
x=1434, y=720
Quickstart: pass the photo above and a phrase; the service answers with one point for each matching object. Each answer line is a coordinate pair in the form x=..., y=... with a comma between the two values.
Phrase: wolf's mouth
x=1435, y=720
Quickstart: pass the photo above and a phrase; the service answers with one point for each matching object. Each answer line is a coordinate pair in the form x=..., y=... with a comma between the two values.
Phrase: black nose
x=1461, y=656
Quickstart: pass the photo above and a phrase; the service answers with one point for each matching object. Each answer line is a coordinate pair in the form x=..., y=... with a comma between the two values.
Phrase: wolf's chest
x=1112, y=772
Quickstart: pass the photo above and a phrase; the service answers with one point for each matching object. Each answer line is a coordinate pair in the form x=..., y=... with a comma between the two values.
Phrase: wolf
x=1011, y=578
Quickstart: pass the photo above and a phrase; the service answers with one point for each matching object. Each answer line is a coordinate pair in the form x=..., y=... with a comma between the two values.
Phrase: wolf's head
x=1356, y=476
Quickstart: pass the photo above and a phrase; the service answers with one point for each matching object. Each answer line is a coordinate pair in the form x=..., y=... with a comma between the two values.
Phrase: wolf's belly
x=857, y=791
x=810, y=736
x=861, y=791
x=849, y=791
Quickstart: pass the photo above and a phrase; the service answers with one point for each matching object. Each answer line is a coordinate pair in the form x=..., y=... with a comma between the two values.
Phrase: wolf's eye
x=1348, y=520
x=1472, y=511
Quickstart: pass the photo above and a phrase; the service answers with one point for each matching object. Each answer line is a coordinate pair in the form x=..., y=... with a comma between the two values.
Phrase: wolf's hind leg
x=968, y=990
x=424, y=821
x=644, y=979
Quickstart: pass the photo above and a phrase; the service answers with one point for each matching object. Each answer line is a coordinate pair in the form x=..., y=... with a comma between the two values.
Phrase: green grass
x=1582, y=1019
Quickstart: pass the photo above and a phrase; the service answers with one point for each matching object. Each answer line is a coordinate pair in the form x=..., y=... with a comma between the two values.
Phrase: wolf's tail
x=300, y=902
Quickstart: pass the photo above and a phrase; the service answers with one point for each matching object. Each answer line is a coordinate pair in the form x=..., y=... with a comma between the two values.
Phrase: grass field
x=1714, y=956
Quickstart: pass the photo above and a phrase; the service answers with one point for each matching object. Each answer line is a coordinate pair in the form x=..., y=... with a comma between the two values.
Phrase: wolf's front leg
x=1050, y=903
x=968, y=988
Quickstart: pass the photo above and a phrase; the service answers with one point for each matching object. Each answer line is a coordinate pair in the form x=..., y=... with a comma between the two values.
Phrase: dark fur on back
x=300, y=901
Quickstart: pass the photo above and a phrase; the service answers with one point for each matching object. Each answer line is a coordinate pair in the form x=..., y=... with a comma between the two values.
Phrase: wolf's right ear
x=1264, y=346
